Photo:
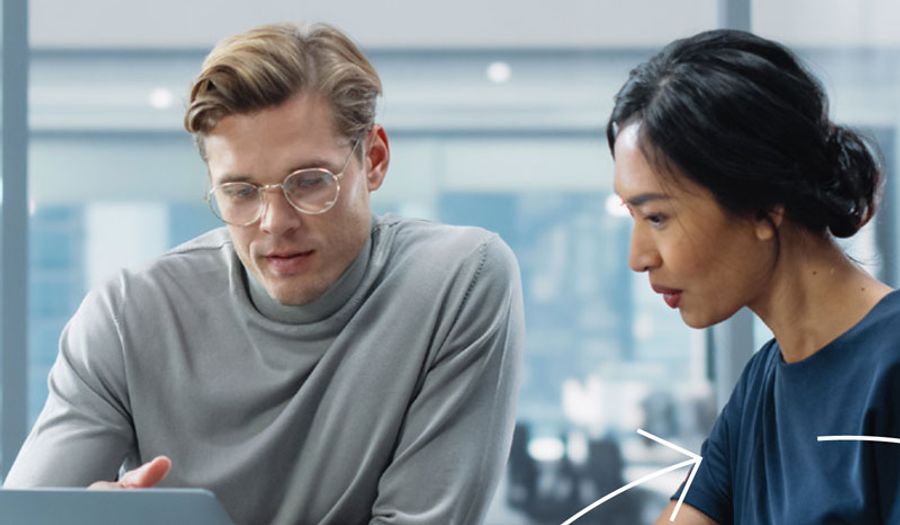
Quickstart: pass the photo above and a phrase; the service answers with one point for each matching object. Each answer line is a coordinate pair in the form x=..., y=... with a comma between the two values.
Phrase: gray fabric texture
x=388, y=400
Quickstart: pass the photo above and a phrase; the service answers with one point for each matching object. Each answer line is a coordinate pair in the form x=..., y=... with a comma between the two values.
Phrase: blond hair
x=265, y=66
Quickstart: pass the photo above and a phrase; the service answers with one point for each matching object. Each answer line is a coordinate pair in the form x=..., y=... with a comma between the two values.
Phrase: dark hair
x=739, y=115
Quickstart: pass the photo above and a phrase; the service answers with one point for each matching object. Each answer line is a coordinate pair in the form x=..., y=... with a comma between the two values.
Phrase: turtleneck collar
x=325, y=306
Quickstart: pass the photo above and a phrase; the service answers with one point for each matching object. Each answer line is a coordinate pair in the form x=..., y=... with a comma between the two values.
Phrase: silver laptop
x=101, y=507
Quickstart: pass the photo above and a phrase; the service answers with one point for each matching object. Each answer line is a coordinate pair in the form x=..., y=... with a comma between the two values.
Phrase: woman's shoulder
x=878, y=335
x=763, y=361
x=886, y=312
x=756, y=375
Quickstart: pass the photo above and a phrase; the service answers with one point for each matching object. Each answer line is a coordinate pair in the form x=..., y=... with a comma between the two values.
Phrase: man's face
x=295, y=256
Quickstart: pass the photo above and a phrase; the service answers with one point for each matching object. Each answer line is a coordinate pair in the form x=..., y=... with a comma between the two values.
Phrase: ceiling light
x=161, y=98
x=499, y=72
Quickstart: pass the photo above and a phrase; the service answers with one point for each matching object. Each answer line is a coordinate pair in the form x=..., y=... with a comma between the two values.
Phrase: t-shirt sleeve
x=886, y=456
x=458, y=429
x=712, y=489
x=84, y=430
x=710, y=492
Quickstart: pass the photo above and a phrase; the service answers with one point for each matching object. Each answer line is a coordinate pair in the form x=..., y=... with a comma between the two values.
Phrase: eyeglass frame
x=262, y=189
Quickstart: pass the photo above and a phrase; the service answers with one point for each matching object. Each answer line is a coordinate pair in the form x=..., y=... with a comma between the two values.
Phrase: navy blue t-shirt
x=762, y=463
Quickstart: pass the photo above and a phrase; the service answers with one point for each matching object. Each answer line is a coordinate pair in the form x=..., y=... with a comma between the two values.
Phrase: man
x=308, y=363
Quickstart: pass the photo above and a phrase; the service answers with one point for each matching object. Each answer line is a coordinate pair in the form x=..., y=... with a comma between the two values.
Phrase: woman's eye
x=656, y=219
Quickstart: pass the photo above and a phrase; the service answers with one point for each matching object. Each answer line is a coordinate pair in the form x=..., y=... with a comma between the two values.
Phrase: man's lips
x=670, y=295
x=287, y=255
x=284, y=262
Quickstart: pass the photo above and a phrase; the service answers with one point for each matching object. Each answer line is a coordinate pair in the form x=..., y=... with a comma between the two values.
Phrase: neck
x=816, y=294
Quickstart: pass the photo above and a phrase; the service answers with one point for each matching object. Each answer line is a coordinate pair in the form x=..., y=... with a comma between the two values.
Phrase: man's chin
x=292, y=296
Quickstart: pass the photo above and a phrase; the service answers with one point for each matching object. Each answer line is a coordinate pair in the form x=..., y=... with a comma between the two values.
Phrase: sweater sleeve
x=457, y=430
x=84, y=431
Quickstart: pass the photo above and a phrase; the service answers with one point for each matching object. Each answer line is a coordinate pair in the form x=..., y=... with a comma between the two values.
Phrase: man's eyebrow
x=307, y=164
x=235, y=178
x=315, y=163
x=644, y=198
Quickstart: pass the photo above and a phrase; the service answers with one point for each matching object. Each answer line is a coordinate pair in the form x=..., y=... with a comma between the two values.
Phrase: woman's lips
x=672, y=299
x=670, y=295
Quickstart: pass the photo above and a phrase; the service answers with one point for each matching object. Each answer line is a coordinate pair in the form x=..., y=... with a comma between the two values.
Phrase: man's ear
x=768, y=223
x=378, y=156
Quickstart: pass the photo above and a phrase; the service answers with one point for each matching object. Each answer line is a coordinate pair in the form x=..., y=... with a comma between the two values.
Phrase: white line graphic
x=877, y=439
x=695, y=461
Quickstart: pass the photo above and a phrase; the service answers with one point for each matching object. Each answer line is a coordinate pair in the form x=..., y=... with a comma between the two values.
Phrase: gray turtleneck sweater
x=388, y=400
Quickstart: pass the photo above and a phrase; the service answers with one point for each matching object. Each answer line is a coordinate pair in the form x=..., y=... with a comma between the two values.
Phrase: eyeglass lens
x=310, y=191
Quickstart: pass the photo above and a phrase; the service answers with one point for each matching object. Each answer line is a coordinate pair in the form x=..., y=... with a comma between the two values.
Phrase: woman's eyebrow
x=644, y=198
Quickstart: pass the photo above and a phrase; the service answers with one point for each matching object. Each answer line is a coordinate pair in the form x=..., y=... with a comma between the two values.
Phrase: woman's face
x=703, y=261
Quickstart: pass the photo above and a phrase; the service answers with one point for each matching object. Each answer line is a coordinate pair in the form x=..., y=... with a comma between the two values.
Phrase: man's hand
x=143, y=477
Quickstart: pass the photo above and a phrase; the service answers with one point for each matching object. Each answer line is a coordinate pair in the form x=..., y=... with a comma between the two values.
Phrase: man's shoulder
x=188, y=265
x=434, y=259
x=421, y=238
x=209, y=242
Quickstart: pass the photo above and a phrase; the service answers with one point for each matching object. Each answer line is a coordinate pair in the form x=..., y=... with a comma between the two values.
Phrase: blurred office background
x=496, y=114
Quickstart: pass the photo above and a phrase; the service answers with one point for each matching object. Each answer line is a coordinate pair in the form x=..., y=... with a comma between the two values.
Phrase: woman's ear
x=768, y=223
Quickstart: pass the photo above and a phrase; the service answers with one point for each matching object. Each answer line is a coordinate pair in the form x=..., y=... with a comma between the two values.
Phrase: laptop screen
x=75, y=506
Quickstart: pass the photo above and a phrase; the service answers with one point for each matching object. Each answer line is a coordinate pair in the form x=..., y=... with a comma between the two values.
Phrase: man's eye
x=239, y=191
x=309, y=183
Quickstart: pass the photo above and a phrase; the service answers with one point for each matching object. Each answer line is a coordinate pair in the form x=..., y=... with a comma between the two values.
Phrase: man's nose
x=278, y=215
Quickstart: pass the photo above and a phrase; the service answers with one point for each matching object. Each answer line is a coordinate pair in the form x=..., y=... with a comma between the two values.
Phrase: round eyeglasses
x=310, y=190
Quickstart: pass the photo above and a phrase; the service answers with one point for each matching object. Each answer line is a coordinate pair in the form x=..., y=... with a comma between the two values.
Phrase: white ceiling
x=384, y=24
x=482, y=24
x=829, y=23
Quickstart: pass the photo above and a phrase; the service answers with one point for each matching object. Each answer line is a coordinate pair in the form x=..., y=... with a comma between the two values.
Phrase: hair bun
x=849, y=197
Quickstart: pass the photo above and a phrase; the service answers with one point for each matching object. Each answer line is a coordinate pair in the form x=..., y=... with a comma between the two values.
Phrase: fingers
x=103, y=485
x=145, y=476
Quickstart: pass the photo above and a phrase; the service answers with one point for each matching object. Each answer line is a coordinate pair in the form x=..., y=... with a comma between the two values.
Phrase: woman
x=738, y=184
